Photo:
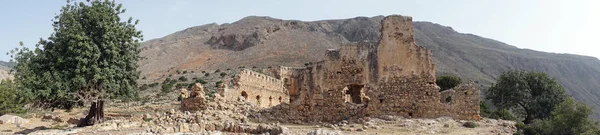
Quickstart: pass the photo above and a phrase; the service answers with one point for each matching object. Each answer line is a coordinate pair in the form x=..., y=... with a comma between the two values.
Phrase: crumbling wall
x=257, y=88
x=398, y=54
x=464, y=102
x=390, y=77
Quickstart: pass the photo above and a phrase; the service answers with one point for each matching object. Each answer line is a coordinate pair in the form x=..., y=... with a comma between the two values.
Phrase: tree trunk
x=95, y=115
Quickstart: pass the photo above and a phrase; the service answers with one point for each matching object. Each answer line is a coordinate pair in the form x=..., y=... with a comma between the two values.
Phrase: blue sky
x=559, y=26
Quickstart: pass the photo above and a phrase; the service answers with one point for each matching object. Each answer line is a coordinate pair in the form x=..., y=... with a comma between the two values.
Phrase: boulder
x=11, y=119
x=324, y=132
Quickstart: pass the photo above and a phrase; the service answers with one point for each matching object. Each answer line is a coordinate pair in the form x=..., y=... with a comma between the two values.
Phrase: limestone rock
x=324, y=132
x=11, y=119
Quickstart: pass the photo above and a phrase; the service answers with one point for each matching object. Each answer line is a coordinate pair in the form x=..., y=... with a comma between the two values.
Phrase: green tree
x=10, y=99
x=447, y=82
x=534, y=93
x=91, y=57
x=568, y=118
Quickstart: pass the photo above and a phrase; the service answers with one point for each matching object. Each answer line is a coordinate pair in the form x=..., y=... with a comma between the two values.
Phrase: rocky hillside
x=4, y=69
x=268, y=42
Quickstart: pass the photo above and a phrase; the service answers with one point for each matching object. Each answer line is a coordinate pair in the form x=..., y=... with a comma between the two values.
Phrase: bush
x=218, y=83
x=447, y=82
x=184, y=72
x=166, y=88
x=484, y=109
x=503, y=114
x=218, y=70
x=11, y=100
x=181, y=85
x=206, y=74
x=183, y=79
x=144, y=87
x=203, y=72
x=178, y=72
x=201, y=81
x=223, y=74
x=470, y=124
x=153, y=85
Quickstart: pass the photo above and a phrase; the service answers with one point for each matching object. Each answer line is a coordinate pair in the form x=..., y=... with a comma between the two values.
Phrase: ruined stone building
x=393, y=76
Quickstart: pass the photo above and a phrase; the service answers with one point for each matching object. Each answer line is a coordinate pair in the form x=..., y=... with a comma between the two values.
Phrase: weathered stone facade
x=393, y=76
x=257, y=88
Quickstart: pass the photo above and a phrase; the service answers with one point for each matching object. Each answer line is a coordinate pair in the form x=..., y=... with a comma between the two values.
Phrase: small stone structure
x=393, y=76
x=196, y=100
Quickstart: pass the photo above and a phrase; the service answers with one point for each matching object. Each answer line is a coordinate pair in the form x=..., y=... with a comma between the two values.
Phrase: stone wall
x=389, y=77
x=257, y=88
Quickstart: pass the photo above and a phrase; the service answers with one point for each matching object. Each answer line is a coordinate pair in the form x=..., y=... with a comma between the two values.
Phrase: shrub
x=144, y=87
x=153, y=85
x=223, y=74
x=183, y=79
x=144, y=78
x=11, y=99
x=201, y=81
x=206, y=74
x=166, y=88
x=484, y=109
x=203, y=72
x=218, y=70
x=178, y=72
x=447, y=82
x=184, y=72
x=470, y=124
x=218, y=83
x=228, y=69
x=503, y=114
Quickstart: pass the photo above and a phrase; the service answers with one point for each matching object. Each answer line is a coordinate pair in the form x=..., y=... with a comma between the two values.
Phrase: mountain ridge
x=270, y=42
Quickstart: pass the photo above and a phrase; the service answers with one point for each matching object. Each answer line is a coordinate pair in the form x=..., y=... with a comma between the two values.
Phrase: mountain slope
x=264, y=42
x=4, y=69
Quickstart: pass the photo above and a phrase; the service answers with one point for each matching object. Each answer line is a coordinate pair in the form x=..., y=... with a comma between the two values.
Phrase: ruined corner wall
x=257, y=88
x=390, y=77
x=464, y=103
x=398, y=54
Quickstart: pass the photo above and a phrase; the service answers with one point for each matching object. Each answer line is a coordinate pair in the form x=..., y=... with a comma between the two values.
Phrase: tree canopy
x=533, y=93
x=568, y=118
x=91, y=55
x=447, y=82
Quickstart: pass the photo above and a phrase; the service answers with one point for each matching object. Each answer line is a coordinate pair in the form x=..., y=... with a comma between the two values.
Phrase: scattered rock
x=323, y=132
x=11, y=119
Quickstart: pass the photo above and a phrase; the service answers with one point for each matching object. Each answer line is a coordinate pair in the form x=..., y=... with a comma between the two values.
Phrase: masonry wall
x=398, y=54
x=257, y=88
x=390, y=77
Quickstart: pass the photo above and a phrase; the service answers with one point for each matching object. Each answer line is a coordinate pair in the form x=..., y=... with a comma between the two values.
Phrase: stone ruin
x=393, y=76
x=194, y=100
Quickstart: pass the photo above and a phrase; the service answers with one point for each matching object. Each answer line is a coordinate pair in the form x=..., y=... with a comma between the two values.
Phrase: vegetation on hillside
x=91, y=57
x=542, y=104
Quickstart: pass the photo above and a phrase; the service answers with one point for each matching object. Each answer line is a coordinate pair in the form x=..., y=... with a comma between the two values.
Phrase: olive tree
x=533, y=93
x=90, y=57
